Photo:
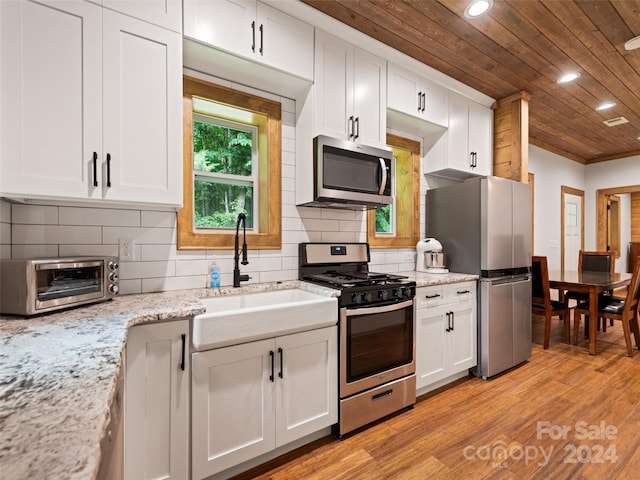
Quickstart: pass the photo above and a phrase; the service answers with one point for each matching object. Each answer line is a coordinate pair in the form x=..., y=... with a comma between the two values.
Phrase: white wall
x=551, y=172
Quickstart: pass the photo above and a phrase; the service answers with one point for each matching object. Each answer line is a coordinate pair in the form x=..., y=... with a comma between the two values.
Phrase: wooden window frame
x=407, y=205
x=269, y=235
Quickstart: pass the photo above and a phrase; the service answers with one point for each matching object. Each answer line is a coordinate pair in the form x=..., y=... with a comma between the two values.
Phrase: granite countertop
x=59, y=373
x=429, y=279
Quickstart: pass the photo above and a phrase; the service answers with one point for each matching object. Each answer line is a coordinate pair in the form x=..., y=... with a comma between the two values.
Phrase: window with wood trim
x=398, y=226
x=232, y=151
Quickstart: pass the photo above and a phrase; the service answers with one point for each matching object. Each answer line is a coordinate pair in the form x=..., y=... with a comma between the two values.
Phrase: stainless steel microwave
x=351, y=175
x=34, y=286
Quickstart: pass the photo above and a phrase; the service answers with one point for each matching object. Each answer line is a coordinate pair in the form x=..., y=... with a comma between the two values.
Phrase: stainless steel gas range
x=376, y=332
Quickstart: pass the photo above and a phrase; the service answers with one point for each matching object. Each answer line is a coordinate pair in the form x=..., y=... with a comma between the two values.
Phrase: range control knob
x=357, y=299
x=396, y=292
x=383, y=294
x=366, y=297
x=113, y=266
x=113, y=289
x=112, y=277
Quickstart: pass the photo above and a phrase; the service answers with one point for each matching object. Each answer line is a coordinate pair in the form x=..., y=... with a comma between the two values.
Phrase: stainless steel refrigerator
x=484, y=225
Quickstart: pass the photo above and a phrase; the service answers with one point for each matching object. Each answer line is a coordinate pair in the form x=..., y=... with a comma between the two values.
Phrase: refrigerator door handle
x=517, y=279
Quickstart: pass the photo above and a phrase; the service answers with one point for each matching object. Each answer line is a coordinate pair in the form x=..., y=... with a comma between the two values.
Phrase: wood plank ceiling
x=526, y=45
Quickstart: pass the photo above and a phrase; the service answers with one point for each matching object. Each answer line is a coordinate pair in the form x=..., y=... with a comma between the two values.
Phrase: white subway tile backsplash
x=5, y=234
x=55, y=234
x=169, y=252
x=34, y=251
x=128, y=287
x=338, y=237
x=99, y=216
x=5, y=252
x=288, y=185
x=89, y=250
x=5, y=211
x=34, y=214
x=171, y=283
x=158, y=219
x=192, y=267
x=129, y=270
x=320, y=225
x=139, y=235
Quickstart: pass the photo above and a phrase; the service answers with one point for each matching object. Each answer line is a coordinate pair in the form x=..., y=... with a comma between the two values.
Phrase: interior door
x=572, y=227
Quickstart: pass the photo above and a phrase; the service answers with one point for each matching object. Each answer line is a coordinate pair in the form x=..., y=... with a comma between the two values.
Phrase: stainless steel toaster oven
x=34, y=286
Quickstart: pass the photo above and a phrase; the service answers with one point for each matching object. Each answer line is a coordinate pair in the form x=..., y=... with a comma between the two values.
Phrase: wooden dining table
x=592, y=283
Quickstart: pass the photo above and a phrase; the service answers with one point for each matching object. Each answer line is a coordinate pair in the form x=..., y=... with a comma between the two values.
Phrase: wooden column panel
x=511, y=137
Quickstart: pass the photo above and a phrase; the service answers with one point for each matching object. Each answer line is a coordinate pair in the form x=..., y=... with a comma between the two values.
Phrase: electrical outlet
x=127, y=249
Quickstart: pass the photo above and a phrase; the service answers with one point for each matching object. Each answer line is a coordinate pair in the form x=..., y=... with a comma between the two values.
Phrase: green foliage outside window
x=384, y=222
x=226, y=154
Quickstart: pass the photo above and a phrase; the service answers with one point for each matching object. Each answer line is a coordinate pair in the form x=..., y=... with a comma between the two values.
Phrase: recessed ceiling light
x=568, y=77
x=633, y=43
x=477, y=8
x=605, y=106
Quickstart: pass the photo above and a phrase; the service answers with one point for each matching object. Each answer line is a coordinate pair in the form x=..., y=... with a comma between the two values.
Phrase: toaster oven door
x=59, y=284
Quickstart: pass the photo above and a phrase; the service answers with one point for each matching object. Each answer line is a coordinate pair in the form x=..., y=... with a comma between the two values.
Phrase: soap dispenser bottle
x=214, y=276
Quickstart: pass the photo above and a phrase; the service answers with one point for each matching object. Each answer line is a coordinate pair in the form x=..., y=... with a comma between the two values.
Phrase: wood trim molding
x=579, y=193
x=407, y=203
x=511, y=137
x=270, y=191
x=601, y=211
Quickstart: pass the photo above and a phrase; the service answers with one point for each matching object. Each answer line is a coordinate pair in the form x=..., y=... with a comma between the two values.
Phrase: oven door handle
x=386, y=308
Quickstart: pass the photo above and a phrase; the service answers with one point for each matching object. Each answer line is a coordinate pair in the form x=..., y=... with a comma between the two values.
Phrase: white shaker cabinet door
x=369, y=98
x=225, y=24
x=51, y=96
x=156, y=411
x=142, y=147
x=232, y=406
x=164, y=13
x=307, y=383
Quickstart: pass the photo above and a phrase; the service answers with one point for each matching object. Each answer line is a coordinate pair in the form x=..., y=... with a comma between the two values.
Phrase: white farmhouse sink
x=241, y=318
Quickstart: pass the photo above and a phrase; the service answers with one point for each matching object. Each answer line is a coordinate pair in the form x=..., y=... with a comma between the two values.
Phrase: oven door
x=377, y=345
x=68, y=283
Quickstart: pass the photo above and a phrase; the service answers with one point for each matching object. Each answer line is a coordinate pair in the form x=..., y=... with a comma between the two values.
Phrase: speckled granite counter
x=429, y=279
x=58, y=376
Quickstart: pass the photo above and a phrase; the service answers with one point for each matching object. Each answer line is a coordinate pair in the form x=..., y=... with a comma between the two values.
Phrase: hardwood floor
x=564, y=414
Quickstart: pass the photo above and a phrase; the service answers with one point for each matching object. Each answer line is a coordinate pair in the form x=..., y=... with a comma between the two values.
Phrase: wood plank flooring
x=564, y=414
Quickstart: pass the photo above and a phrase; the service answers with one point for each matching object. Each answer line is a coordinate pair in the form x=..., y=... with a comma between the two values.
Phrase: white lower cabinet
x=251, y=398
x=446, y=332
x=156, y=401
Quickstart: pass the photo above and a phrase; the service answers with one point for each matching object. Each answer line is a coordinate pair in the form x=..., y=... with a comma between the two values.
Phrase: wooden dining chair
x=593, y=261
x=617, y=308
x=541, y=303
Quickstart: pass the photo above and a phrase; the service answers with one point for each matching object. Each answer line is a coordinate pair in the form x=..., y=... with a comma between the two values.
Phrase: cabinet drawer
x=459, y=292
x=430, y=296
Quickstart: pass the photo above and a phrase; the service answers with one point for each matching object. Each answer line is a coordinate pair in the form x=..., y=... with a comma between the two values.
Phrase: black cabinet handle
x=448, y=329
x=253, y=36
x=462, y=292
x=453, y=321
x=108, y=170
x=184, y=345
x=357, y=135
x=95, y=169
x=273, y=360
x=424, y=102
x=261, y=40
x=351, y=126
x=432, y=296
x=419, y=101
x=280, y=374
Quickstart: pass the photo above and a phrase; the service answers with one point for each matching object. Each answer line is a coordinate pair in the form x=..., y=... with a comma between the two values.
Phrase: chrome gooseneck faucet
x=237, y=278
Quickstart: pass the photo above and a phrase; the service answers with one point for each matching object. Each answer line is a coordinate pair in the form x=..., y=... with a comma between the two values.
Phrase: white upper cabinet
x=252, y=30
x=349, y=92
x=91, y=105
x=164, y=13
x=466, y=149
x=416, y=96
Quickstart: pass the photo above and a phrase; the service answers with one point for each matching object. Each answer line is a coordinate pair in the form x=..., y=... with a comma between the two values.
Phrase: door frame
x=601, y=211
x=564, y=190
